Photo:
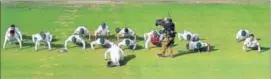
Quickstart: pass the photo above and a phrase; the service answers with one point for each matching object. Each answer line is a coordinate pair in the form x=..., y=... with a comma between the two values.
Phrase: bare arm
x=118, y=37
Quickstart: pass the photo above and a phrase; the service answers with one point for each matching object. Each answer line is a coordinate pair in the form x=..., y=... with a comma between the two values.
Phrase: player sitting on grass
x=155, y=37
x=100, y=41
x=125, y=33
x=198, y=46
x=45, y=37
x=13, y=35
x=82, y=31
x=251, y=43
x=116, y=55
x=186, y=35
x=102, y=31
x=128, y=43
x=76, y=39
x=242, y=35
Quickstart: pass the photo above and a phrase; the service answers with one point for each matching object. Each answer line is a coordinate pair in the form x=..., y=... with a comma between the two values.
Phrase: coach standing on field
x=169, y=35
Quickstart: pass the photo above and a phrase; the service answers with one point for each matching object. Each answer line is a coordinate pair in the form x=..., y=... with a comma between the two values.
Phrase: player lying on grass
x=100, y=41
x=125, y=33
x=13, y=36
x=45, y=37
x=251, y=43
x=82, y=31
x=76, y=39
x=128, y=43
x=198, y=46
x=155, y=37
x=186, y=35
x=116, y=55
x=242, y=35
x=102, y=31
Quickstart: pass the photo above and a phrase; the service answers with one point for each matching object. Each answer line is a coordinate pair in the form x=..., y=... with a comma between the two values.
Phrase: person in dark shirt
x=169, y=31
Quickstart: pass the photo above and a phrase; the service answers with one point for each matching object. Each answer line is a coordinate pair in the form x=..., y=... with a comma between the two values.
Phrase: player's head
x=243, y=33
x=110, y=64
x=126, y=30
x=188, y=37
x=117, y=30
x=81, y=31
x=12, y=33
x=103, y=25
x=12, y=26
x=74, y=39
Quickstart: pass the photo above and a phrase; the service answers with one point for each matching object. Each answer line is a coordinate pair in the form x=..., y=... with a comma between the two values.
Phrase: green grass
x=216, y=23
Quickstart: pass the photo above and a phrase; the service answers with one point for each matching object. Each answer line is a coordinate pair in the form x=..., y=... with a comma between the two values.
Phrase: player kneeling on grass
x=198, y=46
x=82, y=31
x=128, y=43
x=116, y=55
x=45, y=37
x=13, y=35
x=100, y=41
x=242, y=35
x=102, y=31
x=125, y=33
x=251, y=43
x=186, y=35
x=76, y=39
x=155, y=37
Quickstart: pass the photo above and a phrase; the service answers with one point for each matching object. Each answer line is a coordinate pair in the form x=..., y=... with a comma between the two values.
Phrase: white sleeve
x=76, y=30
x=86, y=29
x=66, y=41
x=121, y=31
x=7, y=31
x=131, y=31
x=134, y=46
x=238, y=35
x=147, y=42
x=122, y=54
x=121, y=43
x=93, y=43
x=106, y=52
x=20, y=34
x=33, y=38
x=180, y=36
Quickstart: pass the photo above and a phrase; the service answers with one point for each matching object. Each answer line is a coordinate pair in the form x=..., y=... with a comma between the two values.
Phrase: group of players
x=163, y=38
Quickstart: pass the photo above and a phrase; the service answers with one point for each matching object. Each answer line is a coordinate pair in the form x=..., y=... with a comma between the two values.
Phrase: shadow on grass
x=181, y=53
x=265, y=49
x=138, y=38
x=127, y=59
x=55, y=39
x=26, y=37
x=139, y=47
x=28, y=45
